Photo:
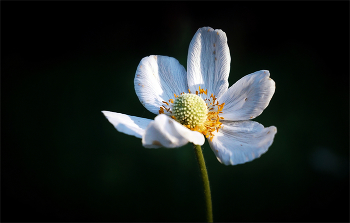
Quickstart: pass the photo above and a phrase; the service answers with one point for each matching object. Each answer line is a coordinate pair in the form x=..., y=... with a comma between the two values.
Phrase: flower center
x=195, y=111
x=190, y=110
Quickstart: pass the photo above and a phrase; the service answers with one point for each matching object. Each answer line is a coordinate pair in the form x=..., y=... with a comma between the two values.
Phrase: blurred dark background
x=62, y=63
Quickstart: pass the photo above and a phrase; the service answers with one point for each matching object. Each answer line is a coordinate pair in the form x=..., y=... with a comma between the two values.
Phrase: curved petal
x=166, y=132
x=208, y=61
x=243, y=141
x=157, y=79
x=248, y=97
x=127, y=124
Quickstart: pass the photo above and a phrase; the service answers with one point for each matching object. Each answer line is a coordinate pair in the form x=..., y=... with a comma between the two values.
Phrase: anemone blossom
x=197, y=104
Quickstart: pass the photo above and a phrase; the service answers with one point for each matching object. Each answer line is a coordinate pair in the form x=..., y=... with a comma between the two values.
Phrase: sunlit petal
x=243, y=141
x=248, y=97
x=166, y=132
x=208, y=61
x=127, y=124
x=157, y=79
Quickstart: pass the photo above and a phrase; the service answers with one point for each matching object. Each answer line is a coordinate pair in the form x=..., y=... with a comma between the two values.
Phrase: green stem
x=205, y=179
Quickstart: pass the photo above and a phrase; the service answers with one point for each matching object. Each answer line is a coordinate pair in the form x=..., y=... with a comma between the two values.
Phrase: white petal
x=166, y=132
x=157, y=79
x=208, y=61
x=248, y=97
x=243, y=141
x=127, y=124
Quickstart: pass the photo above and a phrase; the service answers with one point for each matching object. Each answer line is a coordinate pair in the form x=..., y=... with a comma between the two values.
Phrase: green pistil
x=190, y=109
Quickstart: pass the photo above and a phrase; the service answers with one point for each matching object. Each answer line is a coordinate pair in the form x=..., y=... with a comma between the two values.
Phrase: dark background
x=64, y=62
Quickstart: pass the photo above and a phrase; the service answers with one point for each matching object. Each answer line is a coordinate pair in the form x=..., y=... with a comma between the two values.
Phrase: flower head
x=196, y=104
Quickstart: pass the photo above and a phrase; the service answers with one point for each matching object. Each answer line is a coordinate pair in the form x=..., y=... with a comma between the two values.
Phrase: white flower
x=199, y=103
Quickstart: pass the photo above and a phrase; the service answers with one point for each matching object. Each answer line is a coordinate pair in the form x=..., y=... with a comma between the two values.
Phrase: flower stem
x=205, y=179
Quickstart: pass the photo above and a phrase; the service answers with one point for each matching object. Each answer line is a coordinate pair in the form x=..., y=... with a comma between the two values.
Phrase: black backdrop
x=64, y=62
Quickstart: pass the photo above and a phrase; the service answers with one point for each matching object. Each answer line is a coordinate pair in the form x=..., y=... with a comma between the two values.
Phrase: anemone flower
x=197, y=104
